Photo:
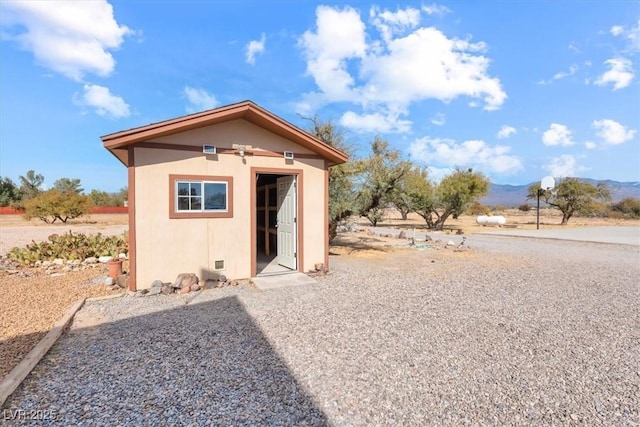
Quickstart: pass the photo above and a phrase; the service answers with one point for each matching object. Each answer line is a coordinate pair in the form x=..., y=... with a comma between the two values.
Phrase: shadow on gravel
x=200, y=364
x=14, y=349
x=350, y=245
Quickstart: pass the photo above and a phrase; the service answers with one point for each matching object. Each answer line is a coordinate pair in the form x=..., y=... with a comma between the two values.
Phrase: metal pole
x=538, y=211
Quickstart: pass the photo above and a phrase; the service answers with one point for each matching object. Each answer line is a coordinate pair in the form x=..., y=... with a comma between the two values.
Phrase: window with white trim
x=202, y=196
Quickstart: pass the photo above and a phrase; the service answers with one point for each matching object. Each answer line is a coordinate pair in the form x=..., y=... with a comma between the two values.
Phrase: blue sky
x=516, y=90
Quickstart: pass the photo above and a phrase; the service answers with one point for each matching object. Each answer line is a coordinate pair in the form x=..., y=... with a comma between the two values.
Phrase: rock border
x=24, y=368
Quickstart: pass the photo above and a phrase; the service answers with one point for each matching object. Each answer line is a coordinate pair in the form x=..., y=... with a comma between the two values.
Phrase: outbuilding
x=235, y=190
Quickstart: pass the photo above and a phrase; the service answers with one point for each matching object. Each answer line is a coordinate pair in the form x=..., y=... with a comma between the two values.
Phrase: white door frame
x=299, y=174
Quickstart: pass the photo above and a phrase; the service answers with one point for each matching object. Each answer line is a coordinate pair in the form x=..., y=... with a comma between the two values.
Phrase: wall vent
x=218, y=264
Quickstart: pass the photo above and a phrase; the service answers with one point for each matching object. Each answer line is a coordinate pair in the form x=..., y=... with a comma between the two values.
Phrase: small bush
x=375, y=216
x=525, y=207
x=628, y=206
x=477, y=208
x=54, y=205
x=70, y=246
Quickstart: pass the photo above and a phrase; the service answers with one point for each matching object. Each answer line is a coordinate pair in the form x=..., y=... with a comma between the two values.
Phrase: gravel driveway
x=515, y=331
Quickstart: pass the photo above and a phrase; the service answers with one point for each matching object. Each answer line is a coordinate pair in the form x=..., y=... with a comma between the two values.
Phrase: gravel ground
x=515, y=331
x=30, y=306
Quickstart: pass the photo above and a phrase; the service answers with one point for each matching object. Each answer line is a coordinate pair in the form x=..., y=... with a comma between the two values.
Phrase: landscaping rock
x=195, y=287
x=217, y=277
x=58, y=261
x=108, y=281
x=123, y=281
x=90, y=260
x=211, y=284
x=185, y=279
x=166, y=289
x=185, y=289
x=105, y=259
x=155, y=290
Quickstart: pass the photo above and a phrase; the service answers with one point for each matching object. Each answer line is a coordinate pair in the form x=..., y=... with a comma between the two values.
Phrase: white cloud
x=613, y=132
x=387, y=73
x=436, y=9
x=616, y=30
x=105, y=104
x=631, y=35
x=375, y=122
x=70, y=37
x=255, y=47
x=565, y=165
x=561, y=75
x=199, y=99
x=340, y=35
x=557, y=134
x=439, y=119
x=438, y=174
x=474, y=153
x=590, y=145
x=620, y=73
x=506, y=131
x=393, y=23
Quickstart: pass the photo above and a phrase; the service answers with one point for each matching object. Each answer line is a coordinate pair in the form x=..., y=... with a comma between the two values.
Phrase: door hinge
x=295, y=220
x=295, y=254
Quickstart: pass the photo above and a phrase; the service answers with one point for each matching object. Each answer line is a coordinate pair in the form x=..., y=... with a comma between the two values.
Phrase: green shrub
x=477, y=208
x=628, y=206
x=525, y=207
x=70, y=246
x=54, y=205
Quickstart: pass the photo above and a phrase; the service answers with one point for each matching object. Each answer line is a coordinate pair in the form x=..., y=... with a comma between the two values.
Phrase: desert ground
x=33, y=301
x=15, y=231
x=503, y=333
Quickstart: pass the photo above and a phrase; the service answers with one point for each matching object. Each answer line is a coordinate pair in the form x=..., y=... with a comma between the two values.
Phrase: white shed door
x=287, y=222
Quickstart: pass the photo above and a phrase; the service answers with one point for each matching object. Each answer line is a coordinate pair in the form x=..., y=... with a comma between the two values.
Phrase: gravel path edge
x=22, y=370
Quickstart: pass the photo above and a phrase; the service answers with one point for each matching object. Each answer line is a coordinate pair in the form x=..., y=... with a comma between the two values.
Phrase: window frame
x=202, y=179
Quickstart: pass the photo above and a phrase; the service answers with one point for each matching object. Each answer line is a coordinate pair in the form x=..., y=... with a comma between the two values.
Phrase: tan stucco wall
x=166, y=247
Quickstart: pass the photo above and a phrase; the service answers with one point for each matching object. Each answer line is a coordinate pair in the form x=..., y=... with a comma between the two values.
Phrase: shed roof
x=118, y=142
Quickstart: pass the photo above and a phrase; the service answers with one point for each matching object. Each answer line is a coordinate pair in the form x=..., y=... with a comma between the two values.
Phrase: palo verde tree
x=53, y=205
x=419, y=193
x=572, y=196
x=383, y=172
x=451, y=197
x=342, y=193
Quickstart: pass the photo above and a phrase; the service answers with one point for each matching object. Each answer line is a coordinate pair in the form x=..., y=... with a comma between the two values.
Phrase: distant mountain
x=516, y=195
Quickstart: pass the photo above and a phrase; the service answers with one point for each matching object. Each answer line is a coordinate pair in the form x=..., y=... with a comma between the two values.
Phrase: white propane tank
x=498, y=220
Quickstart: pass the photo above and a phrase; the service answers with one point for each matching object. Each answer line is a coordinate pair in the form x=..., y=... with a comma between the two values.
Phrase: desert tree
x=382, y=175
x=30, y=184
x=68, y=185
x=420, y=193
x=571, y=196
x=9, y=192
x=451, y=197
x=342, y=190
x=53, y=205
